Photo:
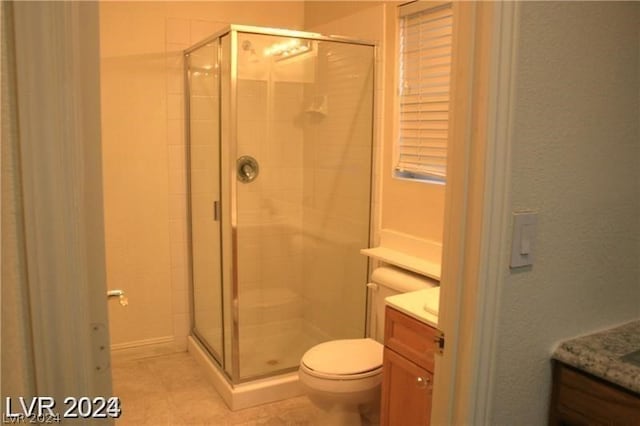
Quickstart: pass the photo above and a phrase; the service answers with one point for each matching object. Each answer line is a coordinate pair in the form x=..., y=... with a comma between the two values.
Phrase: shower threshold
x=249, y=394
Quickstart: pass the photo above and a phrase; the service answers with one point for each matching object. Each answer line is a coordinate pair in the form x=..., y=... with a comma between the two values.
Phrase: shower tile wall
x=301, y=278
x=304, y=220
x=269, y=215
x=143, y=154
x=365, y=23
x=135, y=157
x=144, y=139
x=183, y=31
x=180, y=34
x=336, y=193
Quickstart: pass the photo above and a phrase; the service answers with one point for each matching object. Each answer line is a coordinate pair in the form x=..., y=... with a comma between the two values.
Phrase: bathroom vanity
x=596, y=379
x=410, y=344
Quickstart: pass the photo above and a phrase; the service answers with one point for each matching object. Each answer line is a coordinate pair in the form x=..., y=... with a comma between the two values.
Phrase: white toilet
x=343, y=377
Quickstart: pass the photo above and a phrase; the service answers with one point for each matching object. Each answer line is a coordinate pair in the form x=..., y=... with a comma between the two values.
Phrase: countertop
x=600, y=354
x=413, y=302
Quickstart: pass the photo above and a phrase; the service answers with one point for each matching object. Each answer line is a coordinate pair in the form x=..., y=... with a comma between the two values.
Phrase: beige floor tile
x=172, y=390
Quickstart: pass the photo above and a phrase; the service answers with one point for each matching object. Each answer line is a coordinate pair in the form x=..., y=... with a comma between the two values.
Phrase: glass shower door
x=204, y=195
x=304, y=113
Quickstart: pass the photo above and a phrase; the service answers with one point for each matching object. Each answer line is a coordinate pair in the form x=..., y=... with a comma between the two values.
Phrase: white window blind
x=425, y=74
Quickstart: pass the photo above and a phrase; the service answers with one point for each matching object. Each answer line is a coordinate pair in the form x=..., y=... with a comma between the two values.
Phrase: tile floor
x=172, y=390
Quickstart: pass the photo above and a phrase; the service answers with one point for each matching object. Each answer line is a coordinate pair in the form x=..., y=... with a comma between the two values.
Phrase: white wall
x=576, y=159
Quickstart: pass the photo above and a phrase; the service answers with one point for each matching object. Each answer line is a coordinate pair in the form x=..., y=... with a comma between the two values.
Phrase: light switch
x=523, y=239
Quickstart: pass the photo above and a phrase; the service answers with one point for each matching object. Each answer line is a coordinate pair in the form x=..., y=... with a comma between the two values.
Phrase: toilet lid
x=344, y=357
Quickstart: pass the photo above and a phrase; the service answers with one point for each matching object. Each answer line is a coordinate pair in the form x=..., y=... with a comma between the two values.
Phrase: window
x=424, y=80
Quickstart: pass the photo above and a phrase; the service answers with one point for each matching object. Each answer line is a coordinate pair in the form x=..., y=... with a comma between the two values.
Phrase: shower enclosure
x=280, y=130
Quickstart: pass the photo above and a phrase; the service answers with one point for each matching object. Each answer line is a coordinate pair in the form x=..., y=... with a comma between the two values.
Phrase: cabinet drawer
x=410, y=338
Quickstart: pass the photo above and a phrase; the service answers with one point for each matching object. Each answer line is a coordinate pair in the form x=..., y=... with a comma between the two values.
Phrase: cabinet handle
x=422, y=382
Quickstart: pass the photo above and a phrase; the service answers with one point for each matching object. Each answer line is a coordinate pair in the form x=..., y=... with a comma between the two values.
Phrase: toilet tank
x=388, y=281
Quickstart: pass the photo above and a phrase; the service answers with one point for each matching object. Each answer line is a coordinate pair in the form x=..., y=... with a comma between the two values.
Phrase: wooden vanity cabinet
x=408, y=363
x=578, y=398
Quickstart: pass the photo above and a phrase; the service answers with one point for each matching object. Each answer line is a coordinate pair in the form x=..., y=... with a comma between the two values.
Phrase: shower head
x=248, y=47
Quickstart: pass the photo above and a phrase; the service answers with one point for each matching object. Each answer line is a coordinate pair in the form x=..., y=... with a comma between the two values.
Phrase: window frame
x=403, y=10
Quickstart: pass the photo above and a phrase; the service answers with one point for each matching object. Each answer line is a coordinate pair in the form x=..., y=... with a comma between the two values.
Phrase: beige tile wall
x=336, y=208
x=424, y=216
x=136, y=176
x=143, y=153
x=337, y=186
x=180, y=34
x=204, y=189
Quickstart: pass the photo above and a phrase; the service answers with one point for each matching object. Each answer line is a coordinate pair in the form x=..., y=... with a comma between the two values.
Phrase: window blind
x=425, y=74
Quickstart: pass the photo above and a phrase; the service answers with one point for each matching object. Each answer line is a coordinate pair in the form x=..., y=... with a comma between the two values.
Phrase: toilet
x=343, y=377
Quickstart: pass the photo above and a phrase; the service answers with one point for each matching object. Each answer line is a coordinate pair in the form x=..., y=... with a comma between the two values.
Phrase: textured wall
x=575, y=158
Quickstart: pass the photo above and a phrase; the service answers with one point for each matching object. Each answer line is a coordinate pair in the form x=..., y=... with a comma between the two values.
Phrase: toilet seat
x=326, y=376
x=347, y=359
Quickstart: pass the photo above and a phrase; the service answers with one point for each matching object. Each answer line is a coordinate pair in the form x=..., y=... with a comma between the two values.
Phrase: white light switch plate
x=523, y=241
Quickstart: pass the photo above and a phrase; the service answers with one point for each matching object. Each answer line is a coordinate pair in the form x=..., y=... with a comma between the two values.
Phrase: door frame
x=477, y=209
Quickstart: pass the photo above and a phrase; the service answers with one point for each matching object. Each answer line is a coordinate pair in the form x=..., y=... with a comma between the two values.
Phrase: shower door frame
x=230, y=262
x=218, y=357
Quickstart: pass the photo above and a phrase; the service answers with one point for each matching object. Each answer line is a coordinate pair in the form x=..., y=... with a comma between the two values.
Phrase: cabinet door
x=411, y=387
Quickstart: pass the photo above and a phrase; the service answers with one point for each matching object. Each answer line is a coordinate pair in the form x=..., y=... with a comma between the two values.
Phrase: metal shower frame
x=229, y=263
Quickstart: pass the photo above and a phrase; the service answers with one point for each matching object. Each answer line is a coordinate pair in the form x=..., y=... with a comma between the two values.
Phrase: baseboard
x=147, y=348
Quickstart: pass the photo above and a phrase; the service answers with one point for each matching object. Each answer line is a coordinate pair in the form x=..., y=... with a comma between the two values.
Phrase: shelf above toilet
x=408, y=252
x=404, y=261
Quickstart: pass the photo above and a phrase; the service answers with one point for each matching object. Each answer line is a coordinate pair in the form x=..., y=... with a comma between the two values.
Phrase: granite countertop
x=413, y=304
x=601, y=354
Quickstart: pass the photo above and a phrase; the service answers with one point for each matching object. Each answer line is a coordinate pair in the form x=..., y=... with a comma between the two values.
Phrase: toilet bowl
x=343, y=378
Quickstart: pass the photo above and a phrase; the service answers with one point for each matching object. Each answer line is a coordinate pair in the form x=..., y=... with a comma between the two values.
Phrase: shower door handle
x=216, y=210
